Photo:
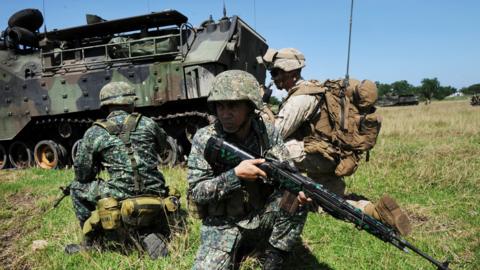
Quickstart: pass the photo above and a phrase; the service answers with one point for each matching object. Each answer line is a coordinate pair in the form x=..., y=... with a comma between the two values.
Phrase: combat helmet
x=117, y=93
x=233, y=85
x=286, y=59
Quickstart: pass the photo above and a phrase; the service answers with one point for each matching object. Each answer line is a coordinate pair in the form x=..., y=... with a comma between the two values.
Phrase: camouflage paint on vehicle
x=49, y=91
x=400, y=100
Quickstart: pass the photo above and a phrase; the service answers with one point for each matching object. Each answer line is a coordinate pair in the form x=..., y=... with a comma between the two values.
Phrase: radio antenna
x=349, y=41
x=44, y=18
x=343, y=112
x=254, y=14
x=224, y=10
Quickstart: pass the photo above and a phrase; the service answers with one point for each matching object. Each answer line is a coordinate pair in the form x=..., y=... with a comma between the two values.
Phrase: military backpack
x=344, y=124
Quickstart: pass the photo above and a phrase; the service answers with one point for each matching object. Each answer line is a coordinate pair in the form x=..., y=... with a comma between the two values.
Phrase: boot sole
x=402, y=223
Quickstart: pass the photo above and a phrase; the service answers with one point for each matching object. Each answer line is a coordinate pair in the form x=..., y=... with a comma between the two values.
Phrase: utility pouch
x=109, y=213
x=318, y=146
x=172, y=204
x=347, y=165
x=92, y=223
x=142, y=211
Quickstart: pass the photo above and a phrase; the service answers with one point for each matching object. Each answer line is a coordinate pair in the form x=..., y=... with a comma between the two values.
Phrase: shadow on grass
x=356, y=197
x=302, y=258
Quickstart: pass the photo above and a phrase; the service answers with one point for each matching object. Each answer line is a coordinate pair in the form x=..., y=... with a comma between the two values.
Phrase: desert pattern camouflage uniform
x=99, y=147
x=262, y=221
x=293, y=125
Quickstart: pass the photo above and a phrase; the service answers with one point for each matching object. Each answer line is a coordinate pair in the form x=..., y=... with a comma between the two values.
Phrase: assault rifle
x=286, y=177
x=66, y=192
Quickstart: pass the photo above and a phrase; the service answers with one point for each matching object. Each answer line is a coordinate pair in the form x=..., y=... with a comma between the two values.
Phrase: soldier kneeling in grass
x=131, y=208
x=239, y=211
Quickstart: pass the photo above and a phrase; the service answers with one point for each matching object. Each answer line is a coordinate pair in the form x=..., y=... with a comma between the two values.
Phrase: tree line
x=428, y=89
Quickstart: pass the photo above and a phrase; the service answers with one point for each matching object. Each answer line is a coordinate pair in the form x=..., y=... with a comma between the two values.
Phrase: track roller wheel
x=75, y=148
x=20, y=155
x=50, y=155
x=170, y=155
x=3, y=157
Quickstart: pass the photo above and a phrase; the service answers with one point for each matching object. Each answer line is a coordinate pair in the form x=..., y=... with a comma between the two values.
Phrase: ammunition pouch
x=347, y=161
x=313, y=145
x=237, y=205
x=347, y=165
x=134, y=212
x=144, y=211
x=109, y=212
x=92, y=223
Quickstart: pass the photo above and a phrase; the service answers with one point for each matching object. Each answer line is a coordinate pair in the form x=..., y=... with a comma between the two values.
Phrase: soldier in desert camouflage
x=300, y=119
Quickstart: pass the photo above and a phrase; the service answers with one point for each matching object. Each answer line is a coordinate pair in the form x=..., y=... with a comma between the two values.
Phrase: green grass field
x=427, y=157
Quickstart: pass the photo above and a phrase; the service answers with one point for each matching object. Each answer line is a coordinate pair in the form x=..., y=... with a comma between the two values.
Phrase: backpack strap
x=111, y=127
x=123, y=132
x=343, y=105
x=129, y=125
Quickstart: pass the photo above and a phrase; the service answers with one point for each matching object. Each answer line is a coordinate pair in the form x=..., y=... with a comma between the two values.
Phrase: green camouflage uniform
x=239, y=212
x=99, y=147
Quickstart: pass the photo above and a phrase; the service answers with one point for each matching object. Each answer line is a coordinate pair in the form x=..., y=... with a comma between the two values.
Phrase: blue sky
x=391, y=40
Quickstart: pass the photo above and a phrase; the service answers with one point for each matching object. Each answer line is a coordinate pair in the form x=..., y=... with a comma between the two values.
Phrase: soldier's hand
x=247, y=170
x=303, y=199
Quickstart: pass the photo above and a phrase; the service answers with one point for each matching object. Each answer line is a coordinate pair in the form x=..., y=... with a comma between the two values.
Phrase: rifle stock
x=221, y=152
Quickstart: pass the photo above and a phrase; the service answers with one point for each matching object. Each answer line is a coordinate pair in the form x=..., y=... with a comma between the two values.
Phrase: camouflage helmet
x=233, y=85
x=286, y=59
x=117, y=93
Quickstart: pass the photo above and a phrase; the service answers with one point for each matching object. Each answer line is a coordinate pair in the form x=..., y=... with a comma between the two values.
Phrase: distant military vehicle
x=49, y=82
x=475, y=100
x=397, y=100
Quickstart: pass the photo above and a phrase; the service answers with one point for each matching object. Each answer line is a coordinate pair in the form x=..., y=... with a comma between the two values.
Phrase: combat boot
x=387, y=211
x=155, y=245
x=274, y=258
x=85, y=245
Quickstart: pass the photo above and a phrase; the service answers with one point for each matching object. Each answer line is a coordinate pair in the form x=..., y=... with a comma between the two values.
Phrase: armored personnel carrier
x=397, y=100
x=50, y=80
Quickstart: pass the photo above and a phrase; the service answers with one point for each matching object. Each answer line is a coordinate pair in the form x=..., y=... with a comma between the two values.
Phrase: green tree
x=472, y=89
x=444, y=91
x=429, y=87
x=402, y=88
x=383, y=88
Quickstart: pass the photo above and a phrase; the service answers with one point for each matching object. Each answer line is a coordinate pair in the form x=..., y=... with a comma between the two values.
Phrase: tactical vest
x=123, y=132
x=344, y=123
x=241, y=202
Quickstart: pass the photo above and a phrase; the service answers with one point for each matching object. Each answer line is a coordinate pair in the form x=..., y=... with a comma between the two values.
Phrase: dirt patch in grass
x=13, y=229
x=8, y=256
x=23, y=201
x=9, y=176
x=416, y=217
